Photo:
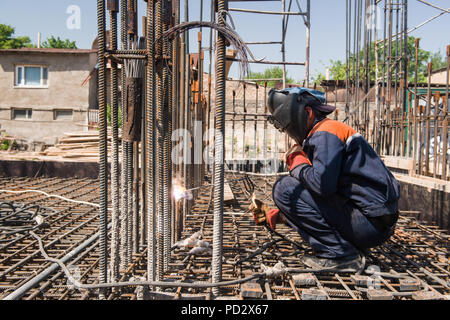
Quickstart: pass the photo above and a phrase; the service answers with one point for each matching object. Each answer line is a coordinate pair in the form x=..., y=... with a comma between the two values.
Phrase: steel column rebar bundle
x=161, y=91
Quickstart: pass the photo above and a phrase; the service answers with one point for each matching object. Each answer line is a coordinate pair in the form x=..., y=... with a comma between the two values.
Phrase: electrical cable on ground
x=54, y=196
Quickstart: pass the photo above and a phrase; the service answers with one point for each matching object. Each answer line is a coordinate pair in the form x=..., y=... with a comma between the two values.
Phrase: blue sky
x=327, y=27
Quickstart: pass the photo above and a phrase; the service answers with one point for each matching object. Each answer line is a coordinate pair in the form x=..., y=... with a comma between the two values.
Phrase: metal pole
x=308, y=40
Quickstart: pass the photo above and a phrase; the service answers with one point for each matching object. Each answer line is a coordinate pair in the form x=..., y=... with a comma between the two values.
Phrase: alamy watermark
x=74, y=20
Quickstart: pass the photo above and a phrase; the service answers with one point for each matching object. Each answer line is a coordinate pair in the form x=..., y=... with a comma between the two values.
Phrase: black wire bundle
x=18, y=218
x=242, y=51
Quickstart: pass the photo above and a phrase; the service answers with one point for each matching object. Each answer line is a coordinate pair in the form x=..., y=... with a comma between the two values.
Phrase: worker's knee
x=286, y=190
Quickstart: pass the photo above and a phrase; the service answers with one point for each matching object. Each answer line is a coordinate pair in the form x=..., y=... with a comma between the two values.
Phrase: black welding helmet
x=287, y=108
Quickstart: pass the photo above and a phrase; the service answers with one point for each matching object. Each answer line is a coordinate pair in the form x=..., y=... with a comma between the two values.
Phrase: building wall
x=66, y=73
x=439, y=77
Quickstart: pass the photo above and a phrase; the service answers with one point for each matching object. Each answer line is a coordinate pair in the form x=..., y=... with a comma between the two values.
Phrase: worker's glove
x=263, y=215
x=295, y=156
x=274, y=217
x=258, y=210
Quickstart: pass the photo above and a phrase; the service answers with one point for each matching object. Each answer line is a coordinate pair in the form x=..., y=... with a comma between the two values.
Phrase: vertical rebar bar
x=219, y=152
x=159, y=122
x=416, y=147
x=123, y=187
x=150, y=145
x=427, y=121
x=255, y=149
x=167, y=123
x=136, y=208
x=115, y=152
x=103, y=171
x=129, y=186
x=445, y=120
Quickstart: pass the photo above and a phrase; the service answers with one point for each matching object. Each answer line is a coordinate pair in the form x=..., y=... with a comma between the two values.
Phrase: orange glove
x=295, y=156
x=273, y=217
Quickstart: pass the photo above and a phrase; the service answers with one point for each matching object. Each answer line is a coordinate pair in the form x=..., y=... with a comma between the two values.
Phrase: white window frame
x=67, y=120
x=22, y=84
x=27, y=113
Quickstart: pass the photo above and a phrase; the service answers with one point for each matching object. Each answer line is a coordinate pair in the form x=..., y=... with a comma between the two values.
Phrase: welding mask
x=288, y=114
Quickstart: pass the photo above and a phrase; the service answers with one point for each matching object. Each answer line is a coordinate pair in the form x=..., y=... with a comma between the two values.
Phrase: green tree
x=438, y=61
x=8, y=42
x=338, y=67
x=53, y=42
x=270, y=73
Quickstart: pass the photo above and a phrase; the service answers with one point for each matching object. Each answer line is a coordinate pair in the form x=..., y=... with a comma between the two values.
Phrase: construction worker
x=339, y=196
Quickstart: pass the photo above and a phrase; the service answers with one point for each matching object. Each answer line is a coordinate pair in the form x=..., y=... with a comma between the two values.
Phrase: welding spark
x=179, y=192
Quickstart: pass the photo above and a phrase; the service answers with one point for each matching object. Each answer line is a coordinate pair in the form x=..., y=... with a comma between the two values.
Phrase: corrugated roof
x=48, y=50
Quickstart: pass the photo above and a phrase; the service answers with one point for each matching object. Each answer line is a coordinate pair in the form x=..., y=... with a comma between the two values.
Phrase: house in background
x=439, y=76
x=46, y=92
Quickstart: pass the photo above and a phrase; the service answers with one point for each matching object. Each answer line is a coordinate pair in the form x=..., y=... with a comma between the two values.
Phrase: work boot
x=350, y=264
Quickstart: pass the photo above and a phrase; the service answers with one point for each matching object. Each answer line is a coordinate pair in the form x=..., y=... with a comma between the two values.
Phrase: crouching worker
x=339, y=196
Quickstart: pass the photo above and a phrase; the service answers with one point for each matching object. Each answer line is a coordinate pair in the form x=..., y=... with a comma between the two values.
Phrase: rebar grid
x=426, y=246
x=71, y=224
x=416, y=250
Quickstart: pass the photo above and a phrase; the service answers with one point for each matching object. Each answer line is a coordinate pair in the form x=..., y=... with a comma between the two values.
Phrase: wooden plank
x=399, y=163
x=228, y=195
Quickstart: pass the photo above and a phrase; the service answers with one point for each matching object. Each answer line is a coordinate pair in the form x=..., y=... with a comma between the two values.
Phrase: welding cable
x=17, y=219
x=257, y=252
x=265, y=274
x=54, y=196
x=79, y=285
x=298, y=245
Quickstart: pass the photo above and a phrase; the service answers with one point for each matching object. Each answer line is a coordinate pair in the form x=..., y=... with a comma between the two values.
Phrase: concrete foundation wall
x=428, y=196
x=66, y=73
